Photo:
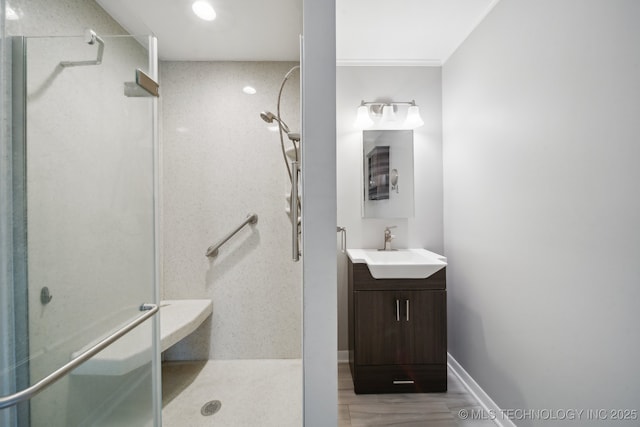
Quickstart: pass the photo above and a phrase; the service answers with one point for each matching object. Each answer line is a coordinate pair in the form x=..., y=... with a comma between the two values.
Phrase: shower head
x=269, y=117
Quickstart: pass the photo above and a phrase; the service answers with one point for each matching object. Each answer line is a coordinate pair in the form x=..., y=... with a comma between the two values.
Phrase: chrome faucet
x=388, y=237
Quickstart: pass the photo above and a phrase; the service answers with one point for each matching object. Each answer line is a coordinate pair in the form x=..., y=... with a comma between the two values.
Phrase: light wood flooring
x=407, y=410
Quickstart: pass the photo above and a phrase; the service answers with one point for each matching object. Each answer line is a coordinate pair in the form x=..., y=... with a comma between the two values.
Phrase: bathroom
x=524, y=166
x=110, y=178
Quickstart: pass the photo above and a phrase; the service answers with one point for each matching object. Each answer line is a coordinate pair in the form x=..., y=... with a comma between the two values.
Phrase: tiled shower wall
x=219, y=163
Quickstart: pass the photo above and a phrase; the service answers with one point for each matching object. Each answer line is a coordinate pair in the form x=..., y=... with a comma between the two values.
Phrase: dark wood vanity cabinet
x=397, y=332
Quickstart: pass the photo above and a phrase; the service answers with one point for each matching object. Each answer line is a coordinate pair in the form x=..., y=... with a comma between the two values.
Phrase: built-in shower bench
x=178, y=318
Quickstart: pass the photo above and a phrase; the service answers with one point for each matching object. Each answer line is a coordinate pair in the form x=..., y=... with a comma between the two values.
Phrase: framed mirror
x=387, y=174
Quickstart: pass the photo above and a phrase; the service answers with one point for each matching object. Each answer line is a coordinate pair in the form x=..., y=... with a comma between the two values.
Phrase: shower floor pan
x=178, y=318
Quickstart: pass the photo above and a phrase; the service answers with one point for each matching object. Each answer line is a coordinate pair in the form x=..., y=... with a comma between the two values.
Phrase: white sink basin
x=399, y=264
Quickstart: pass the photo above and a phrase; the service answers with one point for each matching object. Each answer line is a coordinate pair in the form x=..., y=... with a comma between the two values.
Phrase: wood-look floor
x=407, y=410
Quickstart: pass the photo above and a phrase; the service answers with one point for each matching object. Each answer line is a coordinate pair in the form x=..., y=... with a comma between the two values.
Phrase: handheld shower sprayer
x=294, y=206
x=269, y=117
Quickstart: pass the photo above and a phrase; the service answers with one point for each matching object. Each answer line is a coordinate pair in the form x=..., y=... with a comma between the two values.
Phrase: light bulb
x=363, y=121
x=388, y=115
x=413, y=119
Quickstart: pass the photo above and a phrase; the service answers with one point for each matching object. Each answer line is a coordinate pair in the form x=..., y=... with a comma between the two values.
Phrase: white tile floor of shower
x=252, y=392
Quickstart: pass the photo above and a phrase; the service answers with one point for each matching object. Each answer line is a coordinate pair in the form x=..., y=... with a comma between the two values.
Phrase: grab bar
x=295, y=226
x=213, y=249
x=28, y=393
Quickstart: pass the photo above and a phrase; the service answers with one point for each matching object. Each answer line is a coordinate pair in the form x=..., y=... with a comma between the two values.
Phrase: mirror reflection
x=387, y=173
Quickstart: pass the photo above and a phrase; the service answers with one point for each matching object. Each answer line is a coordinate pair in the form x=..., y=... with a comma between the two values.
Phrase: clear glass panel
x=89, y=245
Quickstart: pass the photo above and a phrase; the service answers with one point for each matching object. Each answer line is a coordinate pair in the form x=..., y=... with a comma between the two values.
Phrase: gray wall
x=220, y=162
x=320, y=383
x=425, y=229
x=541, y=207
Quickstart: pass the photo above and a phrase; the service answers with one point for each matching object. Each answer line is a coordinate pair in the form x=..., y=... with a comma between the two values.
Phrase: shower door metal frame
x=19, y=223
x=156, y=377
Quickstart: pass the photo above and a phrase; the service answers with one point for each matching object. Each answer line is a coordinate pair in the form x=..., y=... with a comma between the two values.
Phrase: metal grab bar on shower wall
x=28, y=393
x=213, y=249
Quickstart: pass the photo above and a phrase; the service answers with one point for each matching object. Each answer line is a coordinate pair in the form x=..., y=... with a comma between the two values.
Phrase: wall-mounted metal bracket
x=90, y=37
x=142, y=87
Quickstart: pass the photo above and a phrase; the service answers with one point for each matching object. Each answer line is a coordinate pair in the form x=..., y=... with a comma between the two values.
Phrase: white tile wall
x=60, y=18
x=220, y=163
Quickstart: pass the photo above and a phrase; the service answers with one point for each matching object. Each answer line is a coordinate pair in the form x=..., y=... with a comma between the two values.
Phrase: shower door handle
x=26, y=394
x=295, y=231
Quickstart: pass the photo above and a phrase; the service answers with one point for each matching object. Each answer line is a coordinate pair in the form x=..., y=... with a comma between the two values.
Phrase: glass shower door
x=84, y=226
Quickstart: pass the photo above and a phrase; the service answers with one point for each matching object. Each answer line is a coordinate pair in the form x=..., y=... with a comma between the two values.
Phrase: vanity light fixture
x=203, y=10
x=384, y=115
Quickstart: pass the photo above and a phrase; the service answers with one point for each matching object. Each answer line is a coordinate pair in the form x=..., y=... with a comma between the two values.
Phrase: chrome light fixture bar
x=386, y=115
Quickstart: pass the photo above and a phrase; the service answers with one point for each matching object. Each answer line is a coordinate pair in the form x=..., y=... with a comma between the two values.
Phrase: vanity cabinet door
x=400, y=327
x=424, y=327
x=378, y=333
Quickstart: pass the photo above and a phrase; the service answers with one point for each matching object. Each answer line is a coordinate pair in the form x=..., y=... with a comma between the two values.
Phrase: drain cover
x=211, y=407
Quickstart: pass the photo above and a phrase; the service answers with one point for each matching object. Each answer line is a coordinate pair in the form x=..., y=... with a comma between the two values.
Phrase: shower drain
x=211, y=407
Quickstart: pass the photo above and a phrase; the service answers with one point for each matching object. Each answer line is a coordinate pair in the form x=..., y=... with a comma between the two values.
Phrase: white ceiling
x=417, y=32
x=244, y=30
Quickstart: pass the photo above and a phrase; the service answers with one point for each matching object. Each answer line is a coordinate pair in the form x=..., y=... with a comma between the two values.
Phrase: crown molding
x=388, y=62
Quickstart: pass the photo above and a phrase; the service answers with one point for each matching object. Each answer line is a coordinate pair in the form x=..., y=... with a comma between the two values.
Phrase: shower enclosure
x=79, y=220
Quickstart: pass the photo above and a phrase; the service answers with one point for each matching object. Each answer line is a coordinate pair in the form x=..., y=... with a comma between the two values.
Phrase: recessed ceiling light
x=249, y=90
x=203, y=10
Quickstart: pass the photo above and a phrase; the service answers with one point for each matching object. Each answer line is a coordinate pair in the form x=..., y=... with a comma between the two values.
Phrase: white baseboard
x=343, y=356
x=476, y=391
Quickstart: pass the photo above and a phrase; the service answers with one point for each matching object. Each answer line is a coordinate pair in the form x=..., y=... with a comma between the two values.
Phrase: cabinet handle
x=397, y=310
x=403, y=382
x=407, y=308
